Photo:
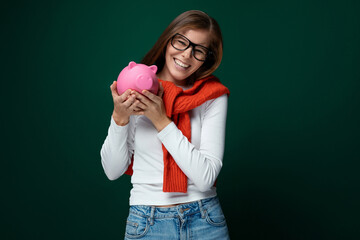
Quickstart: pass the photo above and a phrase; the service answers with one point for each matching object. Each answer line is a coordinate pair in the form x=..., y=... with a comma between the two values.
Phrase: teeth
x=181, y=64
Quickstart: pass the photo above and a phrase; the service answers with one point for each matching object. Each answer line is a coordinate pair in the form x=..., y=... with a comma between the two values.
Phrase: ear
x=131, y=64
x=153, y=68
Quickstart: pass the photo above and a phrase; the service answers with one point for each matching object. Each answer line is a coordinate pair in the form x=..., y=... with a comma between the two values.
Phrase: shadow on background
x=292, y=146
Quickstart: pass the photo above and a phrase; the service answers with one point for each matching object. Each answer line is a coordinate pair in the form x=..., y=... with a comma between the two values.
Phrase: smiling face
x=179, y=65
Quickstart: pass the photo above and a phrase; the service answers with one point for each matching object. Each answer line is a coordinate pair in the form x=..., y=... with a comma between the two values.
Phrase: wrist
x=162, y=123
x=120, y=120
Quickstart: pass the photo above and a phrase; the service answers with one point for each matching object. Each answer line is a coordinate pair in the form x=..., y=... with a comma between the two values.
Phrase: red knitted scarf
x=178, y=103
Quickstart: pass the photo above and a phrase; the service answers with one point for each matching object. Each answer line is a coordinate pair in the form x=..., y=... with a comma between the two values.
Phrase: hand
x=152, y=106
x=124, y=105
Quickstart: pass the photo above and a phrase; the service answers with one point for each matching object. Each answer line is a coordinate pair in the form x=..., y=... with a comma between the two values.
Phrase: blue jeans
x=202, y=219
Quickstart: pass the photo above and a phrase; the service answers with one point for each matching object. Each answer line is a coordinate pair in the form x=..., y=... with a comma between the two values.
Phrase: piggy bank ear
x=153, y=68
x=131, y=64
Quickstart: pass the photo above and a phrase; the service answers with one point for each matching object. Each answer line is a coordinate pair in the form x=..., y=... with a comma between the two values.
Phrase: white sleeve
x=117, y=149
x=202, y=166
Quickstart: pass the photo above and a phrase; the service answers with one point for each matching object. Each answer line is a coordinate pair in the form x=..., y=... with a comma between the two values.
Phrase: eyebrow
x=201, y=44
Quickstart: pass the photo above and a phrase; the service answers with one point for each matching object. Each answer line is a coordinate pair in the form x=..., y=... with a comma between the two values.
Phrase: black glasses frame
x=193, y=45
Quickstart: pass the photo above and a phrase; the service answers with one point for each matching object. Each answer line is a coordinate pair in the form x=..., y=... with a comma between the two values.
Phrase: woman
x=172, y=143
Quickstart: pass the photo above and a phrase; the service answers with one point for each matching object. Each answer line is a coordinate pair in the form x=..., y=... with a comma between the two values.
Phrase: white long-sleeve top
x=200, y=159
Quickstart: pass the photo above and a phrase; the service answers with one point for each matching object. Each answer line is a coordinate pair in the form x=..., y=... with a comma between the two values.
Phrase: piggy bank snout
x=144, y=82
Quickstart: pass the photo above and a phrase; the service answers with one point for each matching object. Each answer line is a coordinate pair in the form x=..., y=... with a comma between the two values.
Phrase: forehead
x=197, y=36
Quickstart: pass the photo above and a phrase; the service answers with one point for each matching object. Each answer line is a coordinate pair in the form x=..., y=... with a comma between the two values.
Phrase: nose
x=187, y=53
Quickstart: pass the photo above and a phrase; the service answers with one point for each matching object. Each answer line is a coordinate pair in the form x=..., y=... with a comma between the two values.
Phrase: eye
x=200, y=51
x=182, y=42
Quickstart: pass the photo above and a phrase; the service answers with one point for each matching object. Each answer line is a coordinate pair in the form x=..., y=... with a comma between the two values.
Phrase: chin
x=178, y=76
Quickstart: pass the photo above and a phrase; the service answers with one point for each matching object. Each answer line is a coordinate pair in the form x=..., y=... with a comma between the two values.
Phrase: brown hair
x=192, y=19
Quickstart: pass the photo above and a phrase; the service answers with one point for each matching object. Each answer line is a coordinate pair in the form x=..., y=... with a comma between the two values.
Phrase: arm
x=202, y=165
x=117, y=150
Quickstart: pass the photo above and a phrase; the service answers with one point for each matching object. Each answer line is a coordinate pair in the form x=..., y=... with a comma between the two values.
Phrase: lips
x=181, y=64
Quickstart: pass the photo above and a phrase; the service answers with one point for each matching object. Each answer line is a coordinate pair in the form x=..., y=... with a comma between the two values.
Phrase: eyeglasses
x=181, y=43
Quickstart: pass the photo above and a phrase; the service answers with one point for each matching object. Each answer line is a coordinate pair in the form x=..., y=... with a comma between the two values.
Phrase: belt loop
x=152, y=215
x=201, y=209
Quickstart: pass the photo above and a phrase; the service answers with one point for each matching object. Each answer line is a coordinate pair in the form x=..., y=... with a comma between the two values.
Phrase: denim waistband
x=181, y=210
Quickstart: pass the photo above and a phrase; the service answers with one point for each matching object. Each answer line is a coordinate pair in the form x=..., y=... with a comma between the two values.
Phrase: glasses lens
x=200, y=53
x=179, y=42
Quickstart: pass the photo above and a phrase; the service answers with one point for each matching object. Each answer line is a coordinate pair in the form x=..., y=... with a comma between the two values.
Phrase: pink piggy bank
x=138, y=77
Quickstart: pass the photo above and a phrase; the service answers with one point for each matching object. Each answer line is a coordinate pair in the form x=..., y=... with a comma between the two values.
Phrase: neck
x=166, y=77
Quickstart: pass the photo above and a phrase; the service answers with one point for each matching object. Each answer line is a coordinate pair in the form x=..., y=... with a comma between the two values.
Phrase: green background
x=291, y=164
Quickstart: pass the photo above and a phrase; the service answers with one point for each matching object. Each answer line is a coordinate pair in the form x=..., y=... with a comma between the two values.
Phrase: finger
x=114, y=92
x=125, y=95
x=142, y=99
x=137, y=109
x=150, y=95
x=128, y=102
x=161, y=90
x=138, y=104
x=142, y=106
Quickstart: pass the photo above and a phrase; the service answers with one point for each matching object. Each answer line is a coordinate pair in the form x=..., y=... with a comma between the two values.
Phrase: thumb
x=113, y=89
x=161, y=90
